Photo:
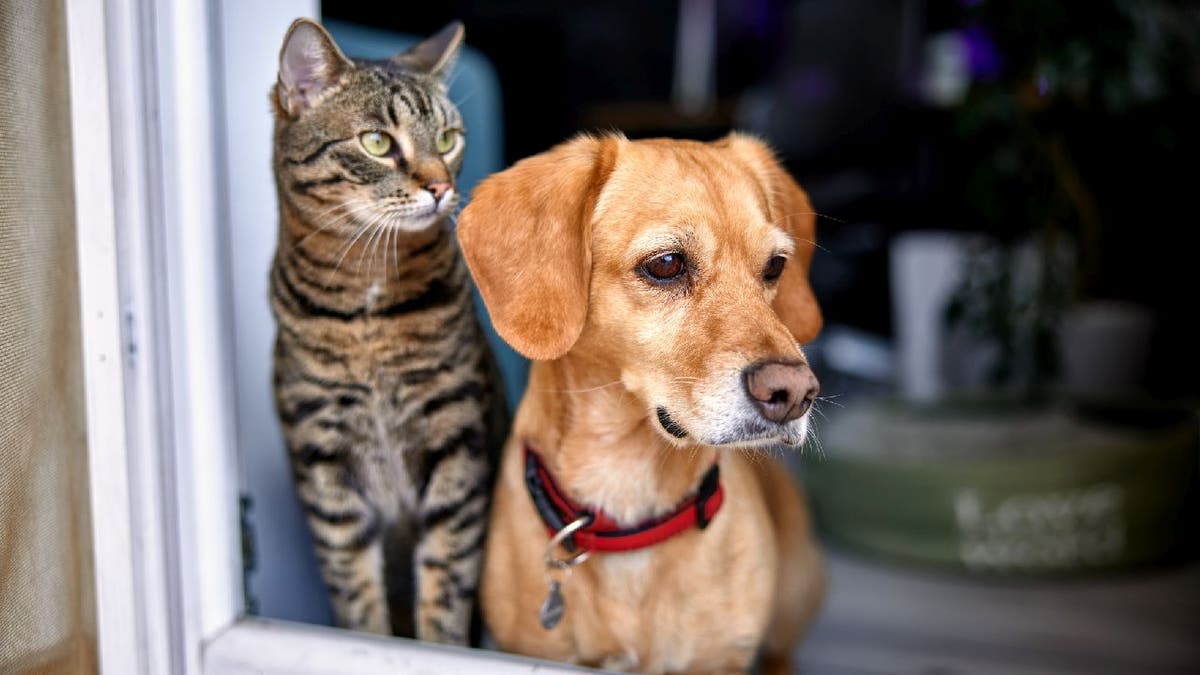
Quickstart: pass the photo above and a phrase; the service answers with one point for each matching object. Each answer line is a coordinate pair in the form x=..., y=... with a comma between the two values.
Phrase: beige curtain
x=47, y=613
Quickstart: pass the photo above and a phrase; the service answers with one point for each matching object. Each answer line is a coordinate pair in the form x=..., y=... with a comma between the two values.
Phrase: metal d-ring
x=558, y=538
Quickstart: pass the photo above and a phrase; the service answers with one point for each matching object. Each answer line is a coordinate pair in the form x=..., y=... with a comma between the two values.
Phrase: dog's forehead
x=660, y=187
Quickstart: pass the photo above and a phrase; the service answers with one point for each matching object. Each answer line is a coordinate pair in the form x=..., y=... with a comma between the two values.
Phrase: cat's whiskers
x=459, y=103
x=381, y=229
x=359, y=206
x=343, y=219
x=351, y=207
x=372, y=244
x=348, y=217
x=344, y=250
x=350, y=245
x=365, y=206
x=387, y=231
x=366, y=246
x=396, y=249
x=385, y=241
x=340, y=205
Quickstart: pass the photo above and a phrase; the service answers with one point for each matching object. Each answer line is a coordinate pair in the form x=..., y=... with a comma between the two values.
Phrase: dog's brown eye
x=665, y=267
x=774, y=268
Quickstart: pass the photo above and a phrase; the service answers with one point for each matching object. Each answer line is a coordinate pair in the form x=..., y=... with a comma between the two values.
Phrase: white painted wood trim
x=100, y=319
x=207, y=550
x=134, y=193
x=264, y=647
x=162, y=459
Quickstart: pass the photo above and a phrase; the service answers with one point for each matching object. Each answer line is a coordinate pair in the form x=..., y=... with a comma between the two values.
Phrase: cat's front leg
x=453, y=520
x=347, y=533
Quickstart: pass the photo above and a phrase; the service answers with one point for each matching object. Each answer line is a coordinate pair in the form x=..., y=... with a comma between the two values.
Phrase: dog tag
x=552, y=608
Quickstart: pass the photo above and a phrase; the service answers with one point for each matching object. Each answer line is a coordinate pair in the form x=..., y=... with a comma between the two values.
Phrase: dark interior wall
x=563, y=64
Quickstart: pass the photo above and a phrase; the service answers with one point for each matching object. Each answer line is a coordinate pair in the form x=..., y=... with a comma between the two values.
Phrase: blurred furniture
x=1000, y=488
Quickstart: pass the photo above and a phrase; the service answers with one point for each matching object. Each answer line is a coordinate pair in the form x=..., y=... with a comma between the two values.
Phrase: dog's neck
x=600, y=443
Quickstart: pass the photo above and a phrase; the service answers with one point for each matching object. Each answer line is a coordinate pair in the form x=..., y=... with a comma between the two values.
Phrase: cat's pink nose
x=437, y=189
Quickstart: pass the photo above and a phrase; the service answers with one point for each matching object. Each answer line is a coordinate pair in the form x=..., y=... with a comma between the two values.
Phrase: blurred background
x=1023, y=120
x=1005, y=462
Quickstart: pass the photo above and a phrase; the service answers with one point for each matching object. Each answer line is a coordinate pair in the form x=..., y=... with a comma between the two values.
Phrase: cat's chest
x=385, y=472
x=372, y=296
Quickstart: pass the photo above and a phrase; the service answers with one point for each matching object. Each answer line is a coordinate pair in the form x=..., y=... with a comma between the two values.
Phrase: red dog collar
x=602, y=533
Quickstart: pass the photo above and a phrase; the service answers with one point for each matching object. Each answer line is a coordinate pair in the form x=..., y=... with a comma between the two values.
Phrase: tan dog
x=661, y=286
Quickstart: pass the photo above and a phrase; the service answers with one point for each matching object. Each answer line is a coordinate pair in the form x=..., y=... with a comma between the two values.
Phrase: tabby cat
x=383, y=381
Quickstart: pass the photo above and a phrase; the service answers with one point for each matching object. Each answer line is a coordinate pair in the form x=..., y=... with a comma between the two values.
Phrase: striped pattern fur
x=383, y=383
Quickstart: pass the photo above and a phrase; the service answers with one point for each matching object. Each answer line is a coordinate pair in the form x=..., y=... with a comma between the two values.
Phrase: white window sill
x=255, y=646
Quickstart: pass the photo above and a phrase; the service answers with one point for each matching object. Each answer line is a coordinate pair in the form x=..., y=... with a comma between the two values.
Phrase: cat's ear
x=526, y=237
x=435, y=55
x=310, y=63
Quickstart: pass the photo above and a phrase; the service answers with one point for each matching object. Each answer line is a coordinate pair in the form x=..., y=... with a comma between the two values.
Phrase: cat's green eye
x=447, y=140
x=376, y=143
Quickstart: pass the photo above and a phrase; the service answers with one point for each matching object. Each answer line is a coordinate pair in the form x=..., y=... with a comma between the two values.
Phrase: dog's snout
x=781, y=392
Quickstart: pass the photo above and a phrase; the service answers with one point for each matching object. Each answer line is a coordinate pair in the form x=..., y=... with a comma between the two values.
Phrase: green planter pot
x=1003, y=491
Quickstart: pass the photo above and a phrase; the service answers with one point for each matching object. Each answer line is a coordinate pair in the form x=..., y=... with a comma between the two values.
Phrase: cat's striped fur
x=383, y=381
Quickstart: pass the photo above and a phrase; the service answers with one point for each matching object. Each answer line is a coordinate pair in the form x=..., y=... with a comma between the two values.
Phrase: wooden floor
x=879, y=618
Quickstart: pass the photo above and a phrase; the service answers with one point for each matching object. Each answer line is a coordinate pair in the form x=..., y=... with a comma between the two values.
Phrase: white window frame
x=150, y=160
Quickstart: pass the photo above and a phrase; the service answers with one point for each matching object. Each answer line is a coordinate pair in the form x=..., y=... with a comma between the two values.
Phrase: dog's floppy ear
x=794, y=303
x=526, y=239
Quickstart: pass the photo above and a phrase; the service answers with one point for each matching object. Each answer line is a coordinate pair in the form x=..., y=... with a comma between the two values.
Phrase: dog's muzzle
x=780, y=391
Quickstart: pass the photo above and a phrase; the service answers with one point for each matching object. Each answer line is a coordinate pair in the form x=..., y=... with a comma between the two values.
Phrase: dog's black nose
x=782, y=392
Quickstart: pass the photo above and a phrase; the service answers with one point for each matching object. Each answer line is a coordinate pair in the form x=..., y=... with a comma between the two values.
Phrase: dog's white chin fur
x=792, y=434
x=725, y=418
